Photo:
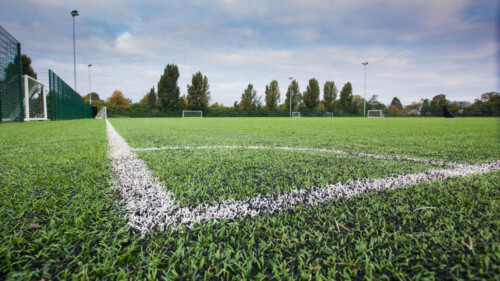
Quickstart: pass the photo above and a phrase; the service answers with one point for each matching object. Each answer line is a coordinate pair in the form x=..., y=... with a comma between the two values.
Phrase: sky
x=415, y=49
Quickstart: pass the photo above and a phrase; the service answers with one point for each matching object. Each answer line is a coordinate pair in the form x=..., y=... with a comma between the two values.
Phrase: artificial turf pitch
x=62, y=216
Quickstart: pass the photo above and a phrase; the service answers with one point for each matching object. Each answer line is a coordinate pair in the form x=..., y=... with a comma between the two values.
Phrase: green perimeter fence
x=65, y=103
x=11, y=81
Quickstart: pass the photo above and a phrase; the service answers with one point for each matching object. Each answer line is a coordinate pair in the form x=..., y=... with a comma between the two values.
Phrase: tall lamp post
x=364, y=106
x=291, y=89
x=74, y=13
x=90, y=93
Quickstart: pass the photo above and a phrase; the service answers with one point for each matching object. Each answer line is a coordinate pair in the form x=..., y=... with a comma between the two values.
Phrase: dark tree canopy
x=151, y=98
x=168, y=91
x=437, y=103
x=198, y=95
x=272, y=95
x=27, y=69
x=249, y=98
x=397, y=103
x=346, y=95
x=296, y=96
x=329, y=94
x=311, y=95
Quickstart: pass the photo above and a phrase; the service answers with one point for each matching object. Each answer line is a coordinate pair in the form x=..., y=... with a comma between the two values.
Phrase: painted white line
x=342, y=152
x=152, y=207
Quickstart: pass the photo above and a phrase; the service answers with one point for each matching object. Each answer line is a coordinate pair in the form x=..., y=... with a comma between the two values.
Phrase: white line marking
x=152, y=207
x=359, y=154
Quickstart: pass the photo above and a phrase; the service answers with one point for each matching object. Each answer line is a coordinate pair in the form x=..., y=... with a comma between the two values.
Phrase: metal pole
x=74, y=13
x=90, y=93
x=364, y=106
x=290, y=99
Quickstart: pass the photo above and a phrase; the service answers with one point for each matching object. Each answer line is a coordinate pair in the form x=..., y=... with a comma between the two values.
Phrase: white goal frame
x=328, y=114
x=36, y=88
x=192, y=111
x=296, y=114
x=380, y=116
x=102, y=114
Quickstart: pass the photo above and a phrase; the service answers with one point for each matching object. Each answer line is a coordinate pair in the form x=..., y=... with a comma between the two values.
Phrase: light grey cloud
x=415, y=48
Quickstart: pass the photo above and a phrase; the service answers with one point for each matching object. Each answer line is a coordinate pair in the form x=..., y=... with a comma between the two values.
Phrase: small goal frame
x=102, y=114
x=29, y=92
x=296, y=114
x=378, y=110
x=192, y=111
x=328, y=114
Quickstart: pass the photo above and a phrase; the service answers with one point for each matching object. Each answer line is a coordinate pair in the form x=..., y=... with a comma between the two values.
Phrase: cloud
x=415, y=48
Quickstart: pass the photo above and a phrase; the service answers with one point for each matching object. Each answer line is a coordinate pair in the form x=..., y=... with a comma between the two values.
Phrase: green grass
x=468, y=140
x=213, y=175
x=60, y=217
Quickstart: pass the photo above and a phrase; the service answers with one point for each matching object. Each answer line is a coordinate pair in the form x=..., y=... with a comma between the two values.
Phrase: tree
x=216, y=105
x=394, y=109
x=94, y=95
x=311, y=95
x=426, y=109
x=296, y=96
x=119, y=101
x=118, y=98
x=374, y=103
x=198, y=95
x=152, y=98
x=27, y=69
x=346, y=96
x=397, y=103
x=329, y=94
x=272, y=95
x=168, y=91
x=249, y=98
x=437, y=103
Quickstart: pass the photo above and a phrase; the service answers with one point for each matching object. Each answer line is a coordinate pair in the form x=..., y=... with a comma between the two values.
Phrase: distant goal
x=328, y=114
x=192, y=113
x=375, y=114
x=102, y=114
x=296, y=114
x=35, y=100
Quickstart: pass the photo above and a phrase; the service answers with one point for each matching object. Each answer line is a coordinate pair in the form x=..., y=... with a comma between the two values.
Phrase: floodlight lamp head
x=74, y=13
x=365, y=63
x=90, y=65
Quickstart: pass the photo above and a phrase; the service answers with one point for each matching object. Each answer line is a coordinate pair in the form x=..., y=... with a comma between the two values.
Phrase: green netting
x=11, y=82
x=64, y=102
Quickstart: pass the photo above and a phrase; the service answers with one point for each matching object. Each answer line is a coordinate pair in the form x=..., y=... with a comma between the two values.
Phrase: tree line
x=166, y=100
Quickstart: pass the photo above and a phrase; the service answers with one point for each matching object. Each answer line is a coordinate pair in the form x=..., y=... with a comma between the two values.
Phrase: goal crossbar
x=192, y=114
x=375, y=114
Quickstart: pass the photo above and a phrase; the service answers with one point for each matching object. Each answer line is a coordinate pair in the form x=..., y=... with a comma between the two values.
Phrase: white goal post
x=296, y=114
x=35, y=99
x=102, y=114
x=375, y=114
x=328, y=114
x=192, y=113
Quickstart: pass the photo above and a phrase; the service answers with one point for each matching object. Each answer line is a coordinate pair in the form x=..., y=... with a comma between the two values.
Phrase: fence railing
x=11, y=82
x=64, y=102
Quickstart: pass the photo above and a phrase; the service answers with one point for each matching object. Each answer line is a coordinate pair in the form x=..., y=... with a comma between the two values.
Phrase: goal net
x=375, y=114
x=102, y=114
x=296, y=114
x=192, y=113
x=35, y=100
x=328, y=114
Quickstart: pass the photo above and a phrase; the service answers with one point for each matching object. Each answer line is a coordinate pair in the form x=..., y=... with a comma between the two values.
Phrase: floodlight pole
x=90, y=93
x=290, y=99
x=364, y=106
x=74, y=13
